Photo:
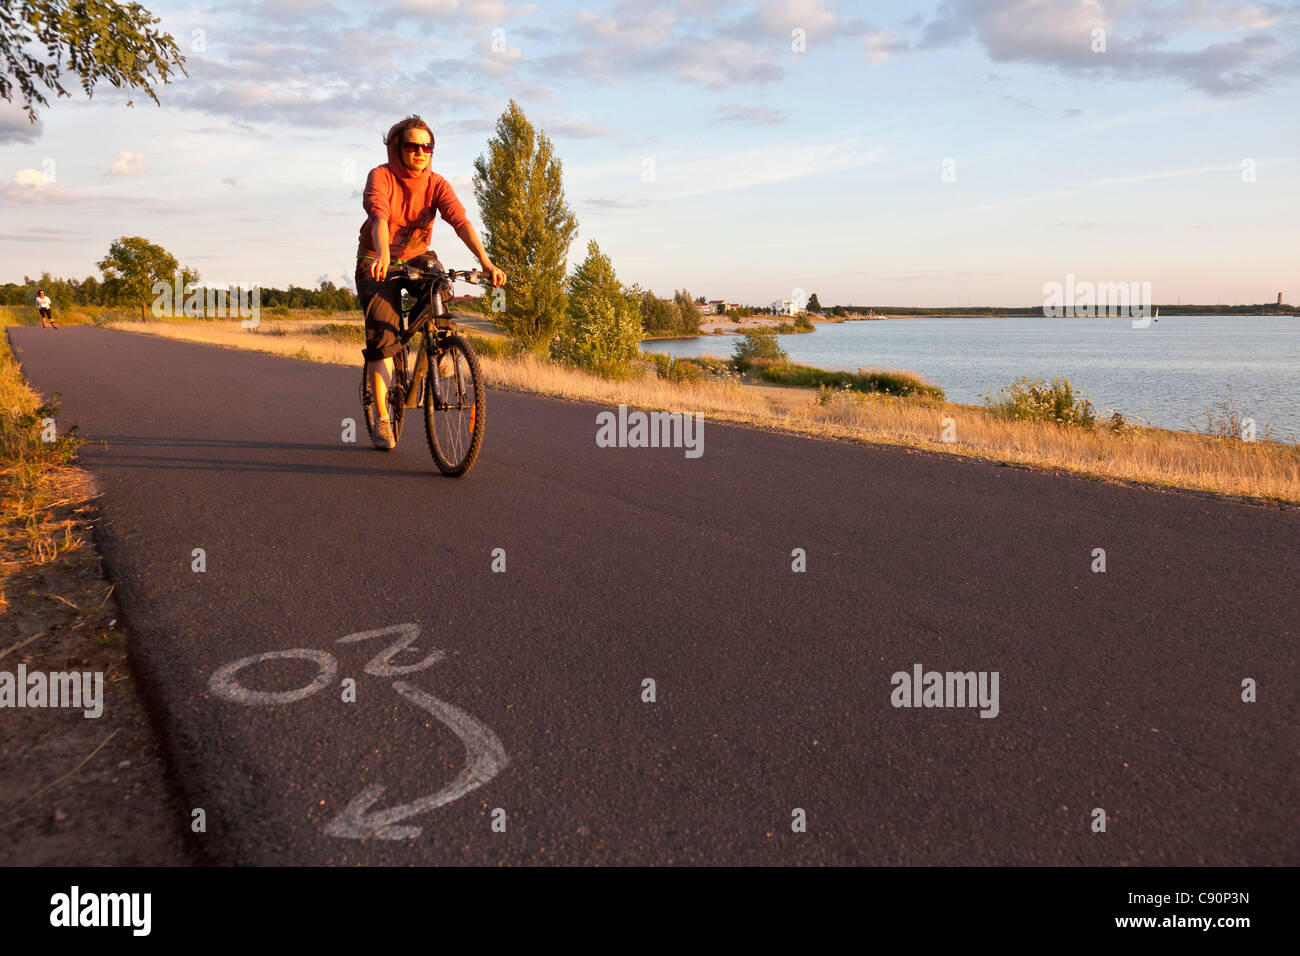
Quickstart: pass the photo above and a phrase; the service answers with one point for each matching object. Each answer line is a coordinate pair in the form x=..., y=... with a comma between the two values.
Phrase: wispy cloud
x=1106, y=183
x=733, y=113
x=615, y=205
x=744, y=169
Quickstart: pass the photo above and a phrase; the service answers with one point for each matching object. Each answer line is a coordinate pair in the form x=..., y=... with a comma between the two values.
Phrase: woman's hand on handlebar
x=493, y=274
x=379, y=266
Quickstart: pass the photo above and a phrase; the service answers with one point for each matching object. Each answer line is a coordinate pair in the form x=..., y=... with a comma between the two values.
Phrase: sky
x=965, y=152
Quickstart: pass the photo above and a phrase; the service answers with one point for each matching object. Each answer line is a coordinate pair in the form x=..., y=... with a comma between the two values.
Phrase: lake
x=1169, y=373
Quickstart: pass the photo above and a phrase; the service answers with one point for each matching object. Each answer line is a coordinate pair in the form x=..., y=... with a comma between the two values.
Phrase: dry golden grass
x=36, y=479
x=1268, y=471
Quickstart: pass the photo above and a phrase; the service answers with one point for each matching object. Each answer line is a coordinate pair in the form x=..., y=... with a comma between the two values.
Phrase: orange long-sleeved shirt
x=410, y=203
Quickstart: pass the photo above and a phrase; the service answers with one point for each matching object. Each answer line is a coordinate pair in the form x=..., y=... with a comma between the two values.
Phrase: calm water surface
x=1170, y=372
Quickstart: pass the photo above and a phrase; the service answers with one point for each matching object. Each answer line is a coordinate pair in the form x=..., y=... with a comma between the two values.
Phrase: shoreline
x=710, y=328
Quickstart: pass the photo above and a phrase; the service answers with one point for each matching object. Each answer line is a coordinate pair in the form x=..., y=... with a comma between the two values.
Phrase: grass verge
x=73, y=791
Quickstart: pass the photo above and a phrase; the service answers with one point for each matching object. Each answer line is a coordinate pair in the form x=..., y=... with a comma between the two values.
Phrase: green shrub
x=803, y=323
x=280, y=310
x=341, y=332
x=494, y=347
x=672, y=369
x=602, y=329
x=808, y=376
x=758, y=344
x=1038, y=400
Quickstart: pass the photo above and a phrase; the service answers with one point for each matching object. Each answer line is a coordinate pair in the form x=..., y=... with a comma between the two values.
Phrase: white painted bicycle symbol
x=485, y=757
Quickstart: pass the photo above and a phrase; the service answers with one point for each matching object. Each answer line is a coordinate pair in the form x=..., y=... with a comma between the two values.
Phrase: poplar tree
x=527, y=227
x=688, y=310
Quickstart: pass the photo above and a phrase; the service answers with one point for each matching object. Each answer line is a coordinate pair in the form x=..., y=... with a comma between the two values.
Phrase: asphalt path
x=528, y=740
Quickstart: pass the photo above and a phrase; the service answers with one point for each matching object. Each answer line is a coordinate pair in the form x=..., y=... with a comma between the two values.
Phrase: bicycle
x=453, y=397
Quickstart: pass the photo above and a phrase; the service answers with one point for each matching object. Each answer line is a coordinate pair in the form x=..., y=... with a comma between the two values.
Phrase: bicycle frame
x=429, y=309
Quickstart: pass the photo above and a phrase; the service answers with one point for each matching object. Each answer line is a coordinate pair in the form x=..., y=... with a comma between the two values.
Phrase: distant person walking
x=43, y=304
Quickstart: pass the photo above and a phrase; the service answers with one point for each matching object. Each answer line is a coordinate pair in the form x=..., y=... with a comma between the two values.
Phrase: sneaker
x=384, y=439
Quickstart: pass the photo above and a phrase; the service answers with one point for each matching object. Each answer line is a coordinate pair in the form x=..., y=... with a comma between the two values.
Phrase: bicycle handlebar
x=472, y=276
x=416, y=269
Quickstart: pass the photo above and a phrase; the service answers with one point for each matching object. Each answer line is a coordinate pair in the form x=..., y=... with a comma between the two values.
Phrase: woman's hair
x=395, y=135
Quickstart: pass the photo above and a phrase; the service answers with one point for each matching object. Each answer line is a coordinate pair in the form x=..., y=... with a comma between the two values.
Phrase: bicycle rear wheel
x=454, y=406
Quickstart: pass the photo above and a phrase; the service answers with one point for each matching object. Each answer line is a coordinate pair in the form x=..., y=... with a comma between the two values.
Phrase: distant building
x=785, y=307
x=1279, y=300
x=720, y=306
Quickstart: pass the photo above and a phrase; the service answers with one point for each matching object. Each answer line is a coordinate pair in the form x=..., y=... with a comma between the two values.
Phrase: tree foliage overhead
x=94, y=39
x=133, y=265
x=603, y=327
x=527, y=224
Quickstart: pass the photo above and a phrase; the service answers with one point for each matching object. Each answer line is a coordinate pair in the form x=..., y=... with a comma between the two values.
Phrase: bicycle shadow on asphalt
x=104, y=451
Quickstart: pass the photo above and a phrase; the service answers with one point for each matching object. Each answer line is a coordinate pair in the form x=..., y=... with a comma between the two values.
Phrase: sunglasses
x=418, y=147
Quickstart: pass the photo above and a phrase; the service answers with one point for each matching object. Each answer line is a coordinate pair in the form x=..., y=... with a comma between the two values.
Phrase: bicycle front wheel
x=367, y=401
x=454, y=406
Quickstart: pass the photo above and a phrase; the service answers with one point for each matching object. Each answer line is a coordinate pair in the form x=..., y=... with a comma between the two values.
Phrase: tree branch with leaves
x=96, y=40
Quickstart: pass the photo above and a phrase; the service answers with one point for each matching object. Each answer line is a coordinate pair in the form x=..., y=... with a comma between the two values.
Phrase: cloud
x=733, y=113
x=1141, y=39
x=33, y=186
x=128, y=163
x=441, y=12
x=464, y=126
x=714, y=45
x=15, y=127
x=308, y=73
x=880, y=46
x=636, y=40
